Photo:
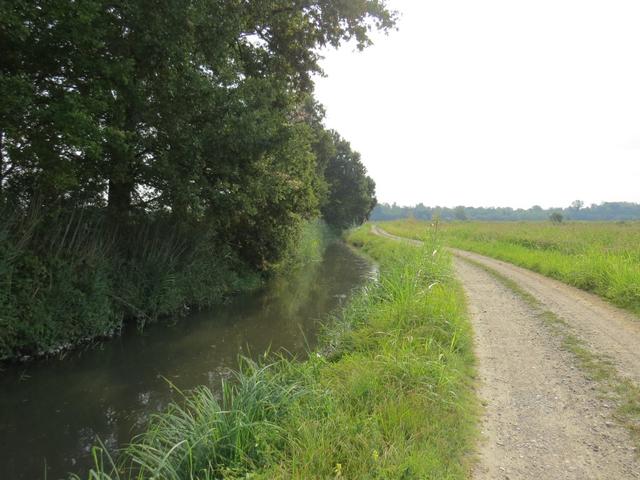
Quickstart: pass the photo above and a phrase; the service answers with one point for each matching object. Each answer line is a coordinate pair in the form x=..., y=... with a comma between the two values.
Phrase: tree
x=604, y=211
x=460, y=213
x=577, y=204
x=556, y=217
x=183, y=134
x=351, y=194
x=170, y=106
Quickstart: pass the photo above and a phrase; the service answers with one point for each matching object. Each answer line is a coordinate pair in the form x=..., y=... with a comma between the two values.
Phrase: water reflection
x=53, y=411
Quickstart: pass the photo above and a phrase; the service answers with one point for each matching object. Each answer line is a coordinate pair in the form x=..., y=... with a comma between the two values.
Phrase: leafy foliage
x=169, y=118
x=351, y=192
x=556, y=217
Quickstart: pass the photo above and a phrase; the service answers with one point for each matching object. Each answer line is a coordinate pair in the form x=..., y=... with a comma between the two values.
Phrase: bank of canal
x=52, y=412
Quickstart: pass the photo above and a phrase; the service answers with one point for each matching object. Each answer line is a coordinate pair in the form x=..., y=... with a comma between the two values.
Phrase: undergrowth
x=67, y=280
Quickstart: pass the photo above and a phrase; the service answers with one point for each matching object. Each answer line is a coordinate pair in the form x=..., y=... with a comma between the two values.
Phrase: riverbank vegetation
x=603, y=258
x=387, y=394
x=158, y=156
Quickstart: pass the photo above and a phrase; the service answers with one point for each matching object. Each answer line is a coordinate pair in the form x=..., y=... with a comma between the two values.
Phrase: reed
x=68, y=278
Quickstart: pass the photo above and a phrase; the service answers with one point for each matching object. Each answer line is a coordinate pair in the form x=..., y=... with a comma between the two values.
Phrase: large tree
x=154, y=152
x=188, y=107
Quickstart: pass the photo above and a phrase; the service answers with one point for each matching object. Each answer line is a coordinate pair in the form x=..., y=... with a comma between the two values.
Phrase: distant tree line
x=612, y=211
x=152, y=151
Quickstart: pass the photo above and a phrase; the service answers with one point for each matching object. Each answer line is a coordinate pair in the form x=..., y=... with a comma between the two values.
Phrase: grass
x=602, y=258
x=70, y=279
x=597, y=247
x=387, y=395
x=81, y=282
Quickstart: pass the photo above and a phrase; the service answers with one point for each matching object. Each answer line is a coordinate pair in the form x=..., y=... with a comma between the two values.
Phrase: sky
x=495, y=103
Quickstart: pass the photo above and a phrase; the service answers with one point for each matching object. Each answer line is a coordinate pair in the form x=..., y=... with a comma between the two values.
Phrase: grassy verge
x=621, y=392
x=388, y=394
x=603, y=258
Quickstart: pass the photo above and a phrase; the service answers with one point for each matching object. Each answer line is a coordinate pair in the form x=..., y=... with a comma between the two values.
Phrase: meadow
x=599, y=257
x=387, y=394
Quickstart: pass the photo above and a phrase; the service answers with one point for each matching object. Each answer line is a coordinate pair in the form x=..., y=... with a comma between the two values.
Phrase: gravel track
x=603, y=327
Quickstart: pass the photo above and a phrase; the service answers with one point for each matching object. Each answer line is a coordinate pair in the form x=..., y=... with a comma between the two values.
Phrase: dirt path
x=543, y=418
x=603, y=327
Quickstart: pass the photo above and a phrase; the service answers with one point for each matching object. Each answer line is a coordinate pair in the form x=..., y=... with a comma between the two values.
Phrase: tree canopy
x=196, y=108
x=351, y=193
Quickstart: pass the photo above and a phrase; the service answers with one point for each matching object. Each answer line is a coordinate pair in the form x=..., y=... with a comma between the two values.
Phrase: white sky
x=495, y=103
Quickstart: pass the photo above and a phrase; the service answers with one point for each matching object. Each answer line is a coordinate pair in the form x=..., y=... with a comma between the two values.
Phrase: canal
x=52, y=411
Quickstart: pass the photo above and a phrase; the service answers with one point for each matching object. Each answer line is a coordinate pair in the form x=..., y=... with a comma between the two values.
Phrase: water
x=52, y=412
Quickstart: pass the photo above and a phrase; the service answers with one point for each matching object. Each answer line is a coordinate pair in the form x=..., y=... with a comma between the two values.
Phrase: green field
x=388, y=393
x=600, y=257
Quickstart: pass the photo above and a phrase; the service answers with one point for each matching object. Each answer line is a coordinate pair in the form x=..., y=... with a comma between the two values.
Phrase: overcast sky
x=495, y=103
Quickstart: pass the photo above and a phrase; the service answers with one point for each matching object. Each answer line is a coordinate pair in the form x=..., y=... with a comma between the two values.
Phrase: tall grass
x=388, y=394
x=208, y=437
x=600, y=257
x=68, y=278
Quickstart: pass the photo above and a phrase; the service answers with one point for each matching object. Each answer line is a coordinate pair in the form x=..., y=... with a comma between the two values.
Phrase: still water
x=52, y=412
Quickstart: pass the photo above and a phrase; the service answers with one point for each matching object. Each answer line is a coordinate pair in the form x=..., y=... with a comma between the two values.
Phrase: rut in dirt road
x=543, y=418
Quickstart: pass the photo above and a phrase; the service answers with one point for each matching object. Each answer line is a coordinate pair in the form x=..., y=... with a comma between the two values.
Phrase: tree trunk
x=1, y=162
x=6, y=167
x=119, y=200
x=122, y=178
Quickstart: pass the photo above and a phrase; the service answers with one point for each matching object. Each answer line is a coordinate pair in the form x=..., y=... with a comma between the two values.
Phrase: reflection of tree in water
x=294, y=303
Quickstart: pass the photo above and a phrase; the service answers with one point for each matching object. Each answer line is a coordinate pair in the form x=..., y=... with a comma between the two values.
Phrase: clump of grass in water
x=207, y=437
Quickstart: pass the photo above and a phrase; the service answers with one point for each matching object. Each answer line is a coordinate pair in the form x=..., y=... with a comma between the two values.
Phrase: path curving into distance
x=543, y=417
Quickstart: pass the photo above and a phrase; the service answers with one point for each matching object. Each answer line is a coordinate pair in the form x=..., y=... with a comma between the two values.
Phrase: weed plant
x=308, y=247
